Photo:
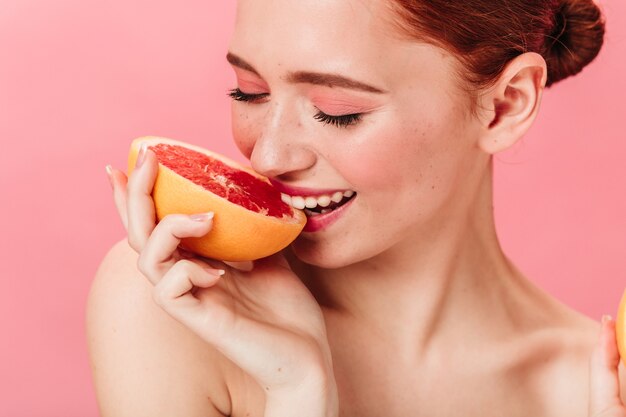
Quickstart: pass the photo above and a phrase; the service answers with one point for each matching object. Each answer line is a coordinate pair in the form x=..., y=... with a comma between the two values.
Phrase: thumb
x=603, y=371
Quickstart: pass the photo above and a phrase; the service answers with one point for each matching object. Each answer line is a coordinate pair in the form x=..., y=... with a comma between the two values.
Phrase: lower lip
x=322, y=221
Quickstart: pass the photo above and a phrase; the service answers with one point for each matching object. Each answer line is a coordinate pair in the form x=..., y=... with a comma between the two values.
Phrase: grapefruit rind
x=237, y=234
x=620, y=328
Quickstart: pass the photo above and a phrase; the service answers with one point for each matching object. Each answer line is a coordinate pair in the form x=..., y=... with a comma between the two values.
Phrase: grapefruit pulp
x=620, y=328
x=251, y=221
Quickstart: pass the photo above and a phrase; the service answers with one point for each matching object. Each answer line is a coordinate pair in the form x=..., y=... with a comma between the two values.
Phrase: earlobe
x=513, y=102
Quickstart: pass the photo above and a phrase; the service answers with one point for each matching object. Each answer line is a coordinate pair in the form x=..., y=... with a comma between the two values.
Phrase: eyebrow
x=315, y=78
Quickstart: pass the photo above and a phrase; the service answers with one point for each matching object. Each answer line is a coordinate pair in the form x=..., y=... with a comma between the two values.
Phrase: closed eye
x=238, y=95
x=344, y=120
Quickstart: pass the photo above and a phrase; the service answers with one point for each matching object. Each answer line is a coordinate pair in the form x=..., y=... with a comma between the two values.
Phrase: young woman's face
x=331, y=100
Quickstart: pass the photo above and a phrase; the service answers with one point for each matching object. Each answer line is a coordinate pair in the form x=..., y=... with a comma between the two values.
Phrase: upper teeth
x=300, y=202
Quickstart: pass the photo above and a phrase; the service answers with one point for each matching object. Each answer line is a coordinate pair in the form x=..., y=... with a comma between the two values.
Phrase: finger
x=604, y=379
x=220, y=323
x=216, y=322
x=174, y=293
x=157, y=255
x=140, y=206
x=118, y=182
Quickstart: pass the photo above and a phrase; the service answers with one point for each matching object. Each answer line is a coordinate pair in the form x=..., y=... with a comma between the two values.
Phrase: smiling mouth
x=315, y=206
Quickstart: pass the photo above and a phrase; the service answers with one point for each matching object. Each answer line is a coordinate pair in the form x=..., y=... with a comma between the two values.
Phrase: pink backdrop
x=80, y=78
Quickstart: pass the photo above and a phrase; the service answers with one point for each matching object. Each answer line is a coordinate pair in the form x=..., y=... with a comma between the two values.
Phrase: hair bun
x=575, y=39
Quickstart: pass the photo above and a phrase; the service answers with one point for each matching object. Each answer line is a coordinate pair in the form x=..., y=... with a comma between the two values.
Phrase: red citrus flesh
x=235, y=185
x=251, y=220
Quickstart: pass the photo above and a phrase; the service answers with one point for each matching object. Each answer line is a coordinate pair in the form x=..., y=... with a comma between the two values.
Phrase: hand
x=265, y=320
x=604, y=394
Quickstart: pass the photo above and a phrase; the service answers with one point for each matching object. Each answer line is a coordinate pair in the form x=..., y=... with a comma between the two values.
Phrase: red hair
x=486, y=34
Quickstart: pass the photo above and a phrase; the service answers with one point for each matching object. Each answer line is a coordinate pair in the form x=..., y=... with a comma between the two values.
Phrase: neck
x=442, y=282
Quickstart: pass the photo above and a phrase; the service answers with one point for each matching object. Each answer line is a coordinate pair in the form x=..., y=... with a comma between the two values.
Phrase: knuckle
x=131, y=183
x=144, y=265
x=134, y=243
x=182, y=269
x=159, y=296
x=171, y=219
x=169, y=223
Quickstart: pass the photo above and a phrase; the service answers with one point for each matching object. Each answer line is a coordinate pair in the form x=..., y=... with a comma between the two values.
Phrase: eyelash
x=238, y=95
x=344, y=120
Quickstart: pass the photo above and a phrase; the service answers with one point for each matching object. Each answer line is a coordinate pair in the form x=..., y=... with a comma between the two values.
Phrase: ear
x=510, y=106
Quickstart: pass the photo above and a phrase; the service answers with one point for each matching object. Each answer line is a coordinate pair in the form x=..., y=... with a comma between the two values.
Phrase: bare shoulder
x=145, y=363
x=569, y=376
x=555, y=362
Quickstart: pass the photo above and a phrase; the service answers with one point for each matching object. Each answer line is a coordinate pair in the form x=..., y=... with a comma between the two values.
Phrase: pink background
x=80, y=78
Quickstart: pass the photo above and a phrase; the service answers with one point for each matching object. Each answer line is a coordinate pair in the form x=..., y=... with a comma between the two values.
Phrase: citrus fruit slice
x=251, y=221
x=620, y=328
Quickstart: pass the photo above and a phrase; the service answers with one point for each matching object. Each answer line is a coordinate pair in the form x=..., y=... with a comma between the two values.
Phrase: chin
x=327, y=256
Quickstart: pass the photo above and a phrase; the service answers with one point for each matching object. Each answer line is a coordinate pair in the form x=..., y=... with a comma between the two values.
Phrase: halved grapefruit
x=251, y=221
x=620, y=328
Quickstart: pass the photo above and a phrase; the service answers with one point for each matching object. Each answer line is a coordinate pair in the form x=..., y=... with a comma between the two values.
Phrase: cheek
x=244, y=130
x=385, y=158
x=405, y=171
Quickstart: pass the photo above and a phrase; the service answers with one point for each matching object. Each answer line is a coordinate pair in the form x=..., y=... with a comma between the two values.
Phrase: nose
x=282, y=150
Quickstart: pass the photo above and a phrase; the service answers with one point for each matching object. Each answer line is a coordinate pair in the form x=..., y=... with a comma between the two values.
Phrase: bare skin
x=542, y=370
x=424, y=314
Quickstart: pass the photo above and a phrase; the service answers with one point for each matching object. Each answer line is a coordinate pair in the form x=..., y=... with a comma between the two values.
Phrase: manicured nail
x=142, y=154
x=606, y=318
x=109, y=171
x=202, y=217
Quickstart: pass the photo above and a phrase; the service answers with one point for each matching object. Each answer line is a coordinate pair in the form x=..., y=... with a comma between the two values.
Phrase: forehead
x=324, y=27
x=355, y=37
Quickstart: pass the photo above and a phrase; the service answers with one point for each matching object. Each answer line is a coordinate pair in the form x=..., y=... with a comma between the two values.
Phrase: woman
x=398, y=303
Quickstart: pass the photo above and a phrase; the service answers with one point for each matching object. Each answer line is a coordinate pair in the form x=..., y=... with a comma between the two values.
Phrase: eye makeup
x=238, y=95
x=344, y=120
x=334, y=107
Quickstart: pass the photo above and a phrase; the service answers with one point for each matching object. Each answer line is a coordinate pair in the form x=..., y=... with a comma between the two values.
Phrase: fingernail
x=109, y=171
x=216, y=272
x=142, y=154
x=202, y=217
x=606, y=318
